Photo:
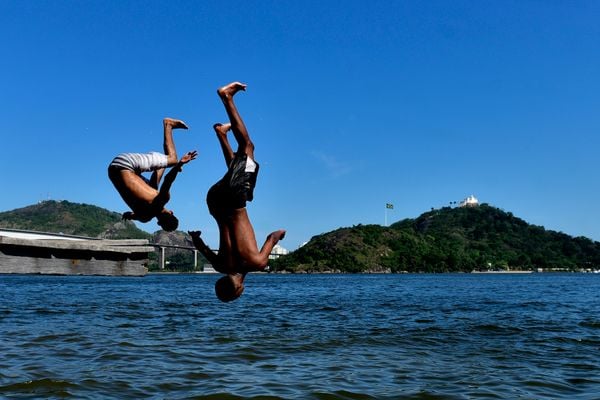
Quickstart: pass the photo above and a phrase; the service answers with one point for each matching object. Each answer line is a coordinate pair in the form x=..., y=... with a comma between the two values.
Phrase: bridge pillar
x=161, y=258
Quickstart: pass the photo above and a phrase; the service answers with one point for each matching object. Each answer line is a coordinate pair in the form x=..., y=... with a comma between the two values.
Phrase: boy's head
x=167, y=220
x=229, y=287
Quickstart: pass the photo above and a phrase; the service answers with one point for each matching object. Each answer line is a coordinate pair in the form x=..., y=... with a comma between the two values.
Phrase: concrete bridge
x=160, y=248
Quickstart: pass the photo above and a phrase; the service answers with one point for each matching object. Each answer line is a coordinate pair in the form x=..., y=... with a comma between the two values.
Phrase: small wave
x=224, y=340
x=47, y=311
x=330, y=308
x=127, y=345
x=252, y=357
x=228, y=396
x=41, y=387
x=578, y=341
x=44, y=338
x=590, y=324
x=556, y=388
x=197, y=376
x=342, y=395
x=126, y=325
x=581, y=366
x=498, y=328
x=582, y=381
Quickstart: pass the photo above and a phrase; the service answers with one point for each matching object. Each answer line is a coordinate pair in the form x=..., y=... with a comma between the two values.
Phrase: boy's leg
x=221, y=130
x=245, y=241
x=169, y=148
x=168, y=144
x=272, y=239
x=238, y=128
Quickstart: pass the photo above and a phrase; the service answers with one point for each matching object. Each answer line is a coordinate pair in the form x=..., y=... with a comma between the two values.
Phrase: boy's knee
x=257, y=262
x=172, y=159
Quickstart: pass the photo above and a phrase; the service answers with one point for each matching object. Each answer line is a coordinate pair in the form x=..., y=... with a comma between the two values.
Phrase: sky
x=351, y=105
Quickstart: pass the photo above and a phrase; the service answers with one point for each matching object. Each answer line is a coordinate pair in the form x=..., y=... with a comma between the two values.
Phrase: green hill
x=72, y=219
x=444, y=240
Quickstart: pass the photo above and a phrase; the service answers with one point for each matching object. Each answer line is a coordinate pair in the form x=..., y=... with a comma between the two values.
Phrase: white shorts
x=140, y=162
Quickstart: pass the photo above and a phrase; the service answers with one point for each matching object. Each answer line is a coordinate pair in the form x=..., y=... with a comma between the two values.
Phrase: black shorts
x=234, y=189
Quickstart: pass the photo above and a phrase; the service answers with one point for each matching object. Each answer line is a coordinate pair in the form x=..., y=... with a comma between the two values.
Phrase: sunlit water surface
x=463, y=336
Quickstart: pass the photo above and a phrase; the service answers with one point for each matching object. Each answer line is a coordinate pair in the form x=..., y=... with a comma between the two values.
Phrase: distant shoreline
x=517, y=272
x=504, y=272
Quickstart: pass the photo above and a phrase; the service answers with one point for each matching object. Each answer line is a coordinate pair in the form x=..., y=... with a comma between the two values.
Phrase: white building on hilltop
x=470, y=201
x=278, y=251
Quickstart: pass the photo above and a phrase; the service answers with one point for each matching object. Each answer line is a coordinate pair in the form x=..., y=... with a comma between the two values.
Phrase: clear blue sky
x=351, y=105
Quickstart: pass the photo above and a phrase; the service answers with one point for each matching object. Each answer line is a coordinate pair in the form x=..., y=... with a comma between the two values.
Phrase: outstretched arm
x=156, y=177
x=203, y=248
x=163, y=193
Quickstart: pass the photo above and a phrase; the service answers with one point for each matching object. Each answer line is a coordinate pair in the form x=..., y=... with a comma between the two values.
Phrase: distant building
x=209, y=269
x=278, y=251
x=470, y=201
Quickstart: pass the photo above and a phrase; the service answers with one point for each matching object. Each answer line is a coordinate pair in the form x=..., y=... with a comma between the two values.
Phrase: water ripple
x=311, y=336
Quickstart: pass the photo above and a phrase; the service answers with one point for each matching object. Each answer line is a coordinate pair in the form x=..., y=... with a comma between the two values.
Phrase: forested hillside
x=71, y=219
x=459, y=239
x=444, y=240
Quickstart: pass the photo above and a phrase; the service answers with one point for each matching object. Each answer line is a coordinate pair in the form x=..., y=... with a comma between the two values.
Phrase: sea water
x=455, y=336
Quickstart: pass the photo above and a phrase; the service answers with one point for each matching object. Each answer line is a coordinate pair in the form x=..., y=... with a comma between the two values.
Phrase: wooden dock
x=23, y=252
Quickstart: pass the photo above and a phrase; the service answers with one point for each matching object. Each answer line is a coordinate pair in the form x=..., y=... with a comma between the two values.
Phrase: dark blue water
x=464, y=336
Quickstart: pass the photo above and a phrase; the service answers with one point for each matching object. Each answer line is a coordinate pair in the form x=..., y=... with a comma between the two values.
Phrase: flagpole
x=385, y=216
x=391, y=207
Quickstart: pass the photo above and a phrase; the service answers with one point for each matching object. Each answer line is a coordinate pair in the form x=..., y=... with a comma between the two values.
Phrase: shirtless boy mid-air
x=146, y=197
x=238, y=251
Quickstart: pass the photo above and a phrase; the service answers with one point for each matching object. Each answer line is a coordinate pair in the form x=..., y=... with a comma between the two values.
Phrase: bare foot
x=276, y=236
x=222, y=129
x=228, y=91
x=174, y=123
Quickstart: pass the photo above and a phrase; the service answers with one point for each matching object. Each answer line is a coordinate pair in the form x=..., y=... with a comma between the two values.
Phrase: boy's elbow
x=257, y=263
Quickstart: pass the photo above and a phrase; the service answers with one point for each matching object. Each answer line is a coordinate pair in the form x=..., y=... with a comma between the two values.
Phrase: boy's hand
x=189, y=156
